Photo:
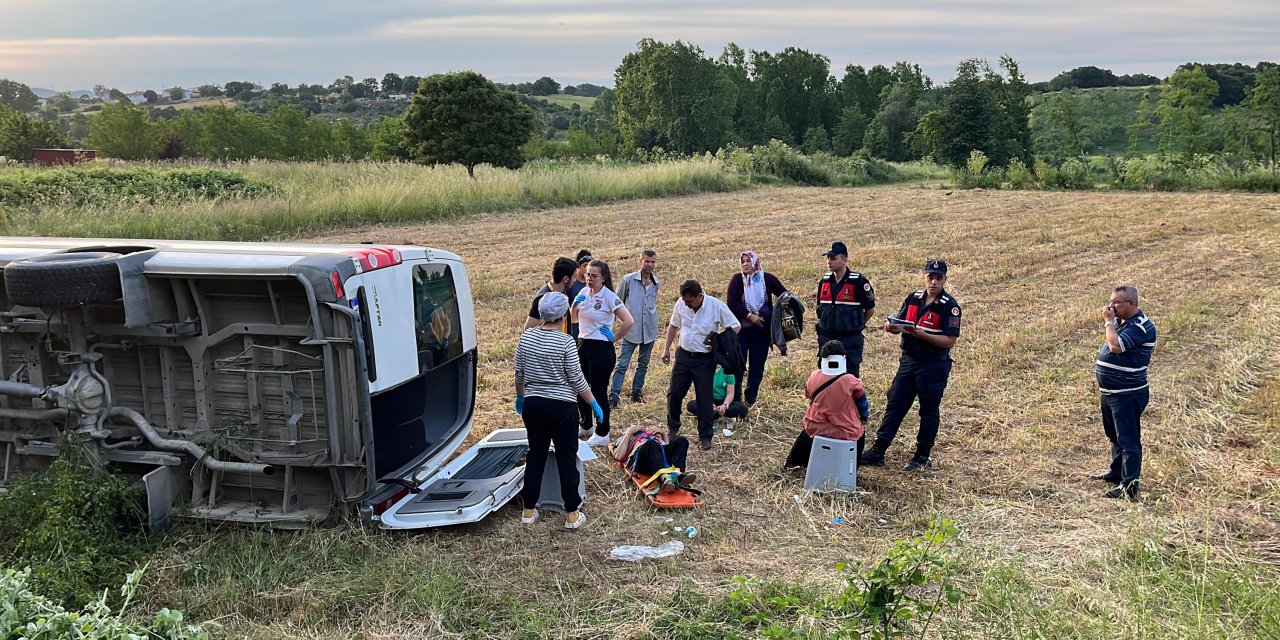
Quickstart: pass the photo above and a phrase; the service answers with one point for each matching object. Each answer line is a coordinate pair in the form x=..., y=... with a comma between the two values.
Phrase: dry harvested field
x=1042, y=552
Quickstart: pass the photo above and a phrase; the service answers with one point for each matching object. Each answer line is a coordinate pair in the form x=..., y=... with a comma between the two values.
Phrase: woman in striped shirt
x=549, y=373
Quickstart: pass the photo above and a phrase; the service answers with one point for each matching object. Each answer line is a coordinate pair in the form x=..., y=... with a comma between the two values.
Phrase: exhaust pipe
x=191, y=448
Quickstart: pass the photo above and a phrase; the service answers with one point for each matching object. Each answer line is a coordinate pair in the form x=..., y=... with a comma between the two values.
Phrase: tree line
x=674, y=98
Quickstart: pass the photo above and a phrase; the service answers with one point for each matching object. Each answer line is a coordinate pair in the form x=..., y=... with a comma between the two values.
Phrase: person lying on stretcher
x=647, y=450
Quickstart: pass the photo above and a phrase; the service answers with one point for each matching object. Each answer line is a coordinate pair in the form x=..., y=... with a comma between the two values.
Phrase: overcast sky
x=139, y=44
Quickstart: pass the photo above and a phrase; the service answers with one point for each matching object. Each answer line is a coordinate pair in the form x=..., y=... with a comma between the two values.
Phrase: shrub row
x=1136, y=173
x=777, y=161
x=75, y=186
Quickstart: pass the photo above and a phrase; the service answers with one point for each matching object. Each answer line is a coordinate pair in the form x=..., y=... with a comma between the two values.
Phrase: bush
x=895, y=597
x=74, y=186
x=976, y=173
x=1074, y=174
x=1046, y=175
x=28, y=614
x=1018, y=176
x=78, y=530
x=778, y=161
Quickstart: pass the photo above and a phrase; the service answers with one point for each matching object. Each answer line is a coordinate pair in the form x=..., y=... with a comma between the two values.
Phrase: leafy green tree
x=796, y=86
x=228, y=134
x=21, y=135
x=387, y=140
x=544, y=86
x=900, y=109
x=850, y=131
x=776, y=129
x=176, y=93
x=392, y=83
x=122, y=130
x=1185, y=99
x=968, y=114
x=1060, y=111
x=1144, y=122
x=671, y=95
x=64, y=103
x=151, y=96
x=292, y=139
x=18, y=96
x=410, y=84
x=748, y=121
x=1083, y=78
x=1011, y=126
x=210, y=91
x=463, y=118
x=349, y=142
x=188, y=127
x=816, y=140
x=1264, y=100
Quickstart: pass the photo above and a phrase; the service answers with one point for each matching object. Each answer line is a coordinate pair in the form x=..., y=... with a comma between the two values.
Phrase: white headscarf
x=753, y=291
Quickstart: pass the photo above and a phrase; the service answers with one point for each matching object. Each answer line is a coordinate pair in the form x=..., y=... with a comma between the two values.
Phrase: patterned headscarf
x=757, y=267
x=753, y=291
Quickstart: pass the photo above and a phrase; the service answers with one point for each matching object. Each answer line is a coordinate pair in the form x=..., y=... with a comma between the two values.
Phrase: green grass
x=311, y=198
x=566, y=101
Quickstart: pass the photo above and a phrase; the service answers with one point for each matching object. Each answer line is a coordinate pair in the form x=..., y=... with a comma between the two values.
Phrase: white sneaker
x=597, y=441
x=585, y=433
x=575, y=520
x=529, y=516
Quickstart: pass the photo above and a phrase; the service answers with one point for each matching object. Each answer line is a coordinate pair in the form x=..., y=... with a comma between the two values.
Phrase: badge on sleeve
x=955, y=311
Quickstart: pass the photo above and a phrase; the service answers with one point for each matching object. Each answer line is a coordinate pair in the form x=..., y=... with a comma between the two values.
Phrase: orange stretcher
x=680, y=498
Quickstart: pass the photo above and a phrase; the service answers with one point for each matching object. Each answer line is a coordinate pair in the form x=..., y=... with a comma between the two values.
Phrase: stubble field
x=1042, y=553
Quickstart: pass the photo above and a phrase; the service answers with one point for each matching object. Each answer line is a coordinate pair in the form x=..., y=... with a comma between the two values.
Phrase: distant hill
x=49, y=93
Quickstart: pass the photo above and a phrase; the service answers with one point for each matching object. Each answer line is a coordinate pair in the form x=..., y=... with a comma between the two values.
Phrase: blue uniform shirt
x=1126, y=371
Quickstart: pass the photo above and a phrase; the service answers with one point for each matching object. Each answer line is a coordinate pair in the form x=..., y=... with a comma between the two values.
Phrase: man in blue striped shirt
x=1122, y=382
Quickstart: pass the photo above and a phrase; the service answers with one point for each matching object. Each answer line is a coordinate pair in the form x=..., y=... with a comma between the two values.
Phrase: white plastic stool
x=549, y=498
x=833, y=465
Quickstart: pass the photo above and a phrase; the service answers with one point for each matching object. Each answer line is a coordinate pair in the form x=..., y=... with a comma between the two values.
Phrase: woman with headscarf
x=549, y=375
x=595, y=309
x=750, y=298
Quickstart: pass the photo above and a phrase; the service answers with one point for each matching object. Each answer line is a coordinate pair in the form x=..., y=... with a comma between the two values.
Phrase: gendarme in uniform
x=844, y=302
x=924, y=367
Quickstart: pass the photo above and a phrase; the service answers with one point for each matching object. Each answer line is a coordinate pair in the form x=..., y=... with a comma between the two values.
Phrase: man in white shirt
x=696, y=318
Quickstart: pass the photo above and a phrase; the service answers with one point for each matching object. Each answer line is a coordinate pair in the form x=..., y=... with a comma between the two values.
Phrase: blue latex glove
x=582, y=297
x=519, y=404
x=607, y=333
x=597, y=411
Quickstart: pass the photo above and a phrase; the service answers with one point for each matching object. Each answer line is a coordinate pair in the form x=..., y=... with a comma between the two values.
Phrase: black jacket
x=724, y=347
x=787, y=303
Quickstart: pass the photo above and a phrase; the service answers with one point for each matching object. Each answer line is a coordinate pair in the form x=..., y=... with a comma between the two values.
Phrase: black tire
x=60, y=279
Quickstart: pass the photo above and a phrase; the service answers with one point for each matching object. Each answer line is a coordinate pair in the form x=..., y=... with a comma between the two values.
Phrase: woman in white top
x=548, y=373
x=595, y=309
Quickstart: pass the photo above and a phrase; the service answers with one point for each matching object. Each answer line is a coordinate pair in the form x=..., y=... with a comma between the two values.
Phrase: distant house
x=137, y=97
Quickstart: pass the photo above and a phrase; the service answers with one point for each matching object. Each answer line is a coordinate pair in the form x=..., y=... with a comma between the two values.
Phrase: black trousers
x=598, y=360
x=852, y=351
x=754, y=343
x=923, y=379
x=696, y=370
x=547, y=421
x=1122, y=422
x=735, y=409
x=652, y=456
x=803, y=446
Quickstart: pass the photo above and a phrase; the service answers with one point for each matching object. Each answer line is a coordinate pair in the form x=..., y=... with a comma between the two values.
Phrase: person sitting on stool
x=838, y=406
